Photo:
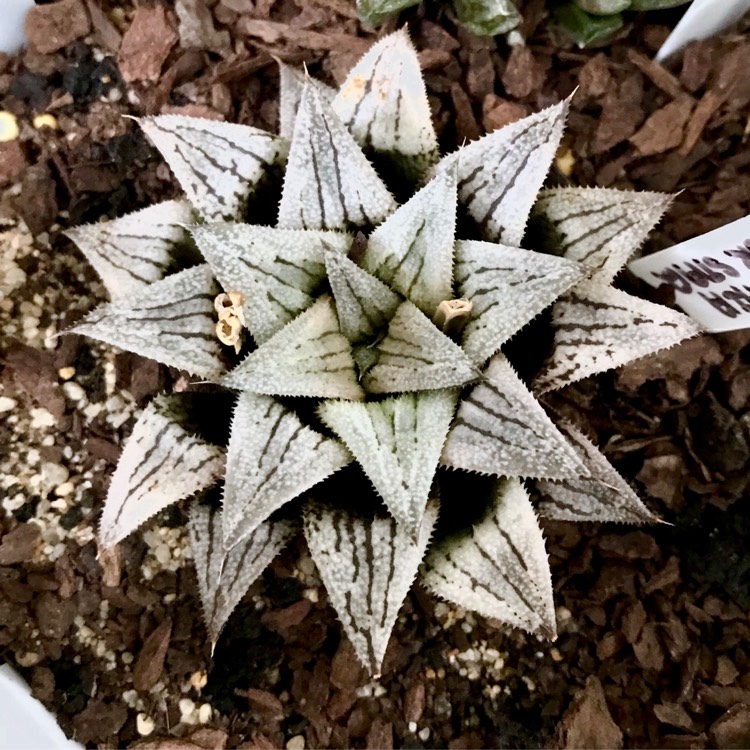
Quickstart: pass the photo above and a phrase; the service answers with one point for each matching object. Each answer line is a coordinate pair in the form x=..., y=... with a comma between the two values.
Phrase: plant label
x=710, y=276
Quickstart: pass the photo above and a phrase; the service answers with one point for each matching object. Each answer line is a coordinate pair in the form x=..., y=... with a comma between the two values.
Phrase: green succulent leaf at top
x=345, y=360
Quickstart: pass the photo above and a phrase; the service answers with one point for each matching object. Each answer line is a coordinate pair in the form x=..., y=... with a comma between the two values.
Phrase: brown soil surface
x=654, y=629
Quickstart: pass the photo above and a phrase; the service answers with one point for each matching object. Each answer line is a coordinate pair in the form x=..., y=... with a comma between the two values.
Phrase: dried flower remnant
x=385, y=330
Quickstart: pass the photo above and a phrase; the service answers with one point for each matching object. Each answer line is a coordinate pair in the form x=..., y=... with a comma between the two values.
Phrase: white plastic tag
x=710, y=276
x=703, y=19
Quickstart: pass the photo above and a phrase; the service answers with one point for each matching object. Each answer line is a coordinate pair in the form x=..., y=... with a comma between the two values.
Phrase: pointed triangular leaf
x=508, y=287
x=364, y=304
x=417, y=356
x=171, y=321
x=291, y=85
x=598, y=327
x=500, y=569
x=604, y=496
x=384, y=103
x=329, y=184
x=272, y=458
x=398, y=443
x=160, y=464
x=501, y=429
x=224, y=577
x=216, y=163
x=367, y=566
x=133, y=251
x=309, y=357
x=412, y=251
x=276, y=270
x=599, y=227
x=499, y=175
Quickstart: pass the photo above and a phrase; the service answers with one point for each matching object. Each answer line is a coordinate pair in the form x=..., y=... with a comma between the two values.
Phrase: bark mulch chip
x=653, y=626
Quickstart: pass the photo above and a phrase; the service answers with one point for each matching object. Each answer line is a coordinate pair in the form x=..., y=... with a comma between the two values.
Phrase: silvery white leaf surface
x=603, y=496
x=291, y=85
x=216, y=163
x=160, y=464
x=383, y=102
x=308, y=357
x=501, y=569
x=398, y=443
x=367, y=567
x=171, y=321
x=500, y=174
x=329, y=183
x=363, y=303
x=416, y=356
x=412, y=250
x=135, y=250
x=501, y=429
x=508, y=287
x=225, y=576
x=599, y=227
x=272, y=458
x=598, y=328
x=276, y=270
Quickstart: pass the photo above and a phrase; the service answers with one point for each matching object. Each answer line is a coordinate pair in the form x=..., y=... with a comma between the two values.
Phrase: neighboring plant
x=381, y=349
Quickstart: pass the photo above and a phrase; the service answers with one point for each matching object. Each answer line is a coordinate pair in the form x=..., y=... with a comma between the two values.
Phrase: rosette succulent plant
x=364, y=339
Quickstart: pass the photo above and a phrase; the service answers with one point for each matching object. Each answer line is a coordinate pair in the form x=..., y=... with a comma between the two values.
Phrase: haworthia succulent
x=308, y=357
x=398, y=443
x=276, y=270
x=598, y=327
x=412, y=250
x=346, y=189
x=383, y=102
x=500, y=174
x=364, y=304
x=499, y=570
x=501, y=429
x=272, y=458
x=487, y=17
x=225, y=576
x=367, y=566
x=417, y=356
x=216, y=163
x=171, y=321
x=601, y=228
x=508, y=287
x=373, y=12
x=160, y=464
x=602, y=496
x=133, y=251
x=291, y=85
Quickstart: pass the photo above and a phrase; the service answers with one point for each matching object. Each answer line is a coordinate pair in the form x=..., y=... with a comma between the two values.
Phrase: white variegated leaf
x=500, y=569
x=384, y=103
x=309, y=357
x=499, y=175
x=363, y=303
x=133, y=251
x=398, y=443
x=216, y=163
x=598, y=328
x=329, y=184
x=412, y=250
x=367, y=567
x=272, y=458
x=603, y=496
x=225, y=576
x=171, y=321
x=508, y=287
x=599, y=227
x=417, y=356
x=501, y=429
x=276, y=270
x=291, y=85
x=160, y=464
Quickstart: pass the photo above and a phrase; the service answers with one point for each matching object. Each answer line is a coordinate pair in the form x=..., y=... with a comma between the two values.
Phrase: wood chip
x=656, y=73
x=665, y=129
x=706, y=109
x=19, y=545
x=588, y=722
x=146, y=44
x=54, y=26
x=274, y=32
x=150, y=663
